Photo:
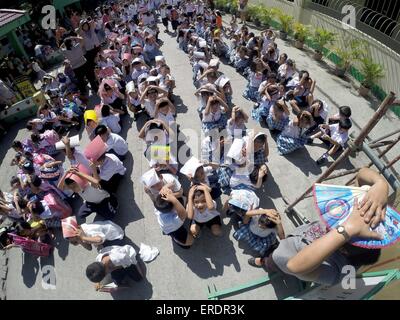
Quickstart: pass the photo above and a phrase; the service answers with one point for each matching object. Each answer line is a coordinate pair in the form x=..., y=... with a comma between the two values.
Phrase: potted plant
x=267, y=15
x=252, y=12
x=286, y=22
x=301, y=34
x=322, y=37
x=233, y=6
x=347, y=56
x=372, y=72
x=260, y=14
x=221, y=4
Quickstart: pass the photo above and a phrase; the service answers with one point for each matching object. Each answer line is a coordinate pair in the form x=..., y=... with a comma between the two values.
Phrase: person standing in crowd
x=72, y=49
x=87, y=30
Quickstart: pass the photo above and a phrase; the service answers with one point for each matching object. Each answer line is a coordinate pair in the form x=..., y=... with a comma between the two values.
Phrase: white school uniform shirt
x=106, y=230
x=200, y=9
x=240, y=176
x=93, y=195
x=150, y=107
x=212, y=117
x=336, y=135
x=266, y=43
x=255, y=229
x=111, y=166
x=120, y=256
x=168, y=178
x=255, y=79
x=206, y=215
x=292, y=131
x=148, y=20
x=167, y=118
x=325, y=110
x=235, y=130
x=117, y=143
x=112, y=122
x=137, y=73
x=163, y=13
x=289, y=74
x=169, y=222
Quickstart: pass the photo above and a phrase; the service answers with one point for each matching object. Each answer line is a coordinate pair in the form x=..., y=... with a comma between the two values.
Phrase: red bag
x=31, y=246
x=56, y=204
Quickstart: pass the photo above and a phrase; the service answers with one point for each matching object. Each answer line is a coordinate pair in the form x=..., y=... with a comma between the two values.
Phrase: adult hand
x=356, y=226
x=373, y=206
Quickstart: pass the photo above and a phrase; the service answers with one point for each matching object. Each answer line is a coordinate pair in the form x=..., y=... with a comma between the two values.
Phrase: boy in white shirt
x=109, y=170
x=110, y=119
x=171, y=216
x=335, y=136
x=118, y=261
x=202, y=211
x=115, y=143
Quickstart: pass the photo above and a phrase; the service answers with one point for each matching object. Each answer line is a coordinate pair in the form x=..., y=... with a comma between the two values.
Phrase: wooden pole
x=357, y=144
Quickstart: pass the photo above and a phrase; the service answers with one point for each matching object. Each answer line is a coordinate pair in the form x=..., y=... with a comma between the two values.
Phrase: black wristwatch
x=342, y=230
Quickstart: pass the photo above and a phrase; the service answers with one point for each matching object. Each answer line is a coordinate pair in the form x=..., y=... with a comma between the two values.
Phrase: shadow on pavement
x=209, y=254
x=302, y=159
x=30, y=269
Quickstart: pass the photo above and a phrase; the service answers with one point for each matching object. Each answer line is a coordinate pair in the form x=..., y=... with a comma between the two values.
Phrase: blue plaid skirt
x=224, y=178
x=277, y=125
x=287, y=145
x=258, y=244
x=261, y=112
x=251, y=93
x=220, y=124
x=259, y=158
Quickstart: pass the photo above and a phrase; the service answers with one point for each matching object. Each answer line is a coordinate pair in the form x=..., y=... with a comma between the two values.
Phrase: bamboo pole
x=357, y=144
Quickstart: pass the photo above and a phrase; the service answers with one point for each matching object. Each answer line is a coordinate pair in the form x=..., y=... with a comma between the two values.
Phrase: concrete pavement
x=177, y=273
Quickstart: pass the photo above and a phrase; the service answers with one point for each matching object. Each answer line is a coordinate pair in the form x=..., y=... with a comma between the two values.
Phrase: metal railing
x=376, y=24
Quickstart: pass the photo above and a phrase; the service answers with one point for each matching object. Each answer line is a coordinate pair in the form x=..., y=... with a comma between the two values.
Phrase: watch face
x=340, y=229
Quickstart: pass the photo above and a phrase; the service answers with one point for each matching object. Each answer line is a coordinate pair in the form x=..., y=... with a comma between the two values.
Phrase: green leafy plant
x=301, y=32
x=266, y=15
x=233, y=4
x=221, y=4
x=323, y=37
x=286, y=22
x=254, y=12
x=353, y=51
x=372, y=71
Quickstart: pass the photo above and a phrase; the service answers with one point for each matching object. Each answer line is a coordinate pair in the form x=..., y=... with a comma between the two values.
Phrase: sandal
x=252, y=262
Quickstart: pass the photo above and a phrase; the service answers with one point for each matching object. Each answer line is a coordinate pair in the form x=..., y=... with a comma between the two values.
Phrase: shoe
x=252, y=262
x=310, y=141
x=323, y=159
x=87, y=246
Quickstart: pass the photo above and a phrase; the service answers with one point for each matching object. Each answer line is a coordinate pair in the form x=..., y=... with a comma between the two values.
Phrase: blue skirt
x=220, y=124
x=277, y=125
x=251, y=93
x=258, y=244
x=287, y=145
x=261, y=112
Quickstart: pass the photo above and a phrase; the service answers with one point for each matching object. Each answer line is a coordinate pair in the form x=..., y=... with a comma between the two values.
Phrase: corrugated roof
x=9, y=15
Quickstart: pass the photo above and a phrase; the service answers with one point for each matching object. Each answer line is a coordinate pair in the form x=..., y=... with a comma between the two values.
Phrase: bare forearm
x=311, y=257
